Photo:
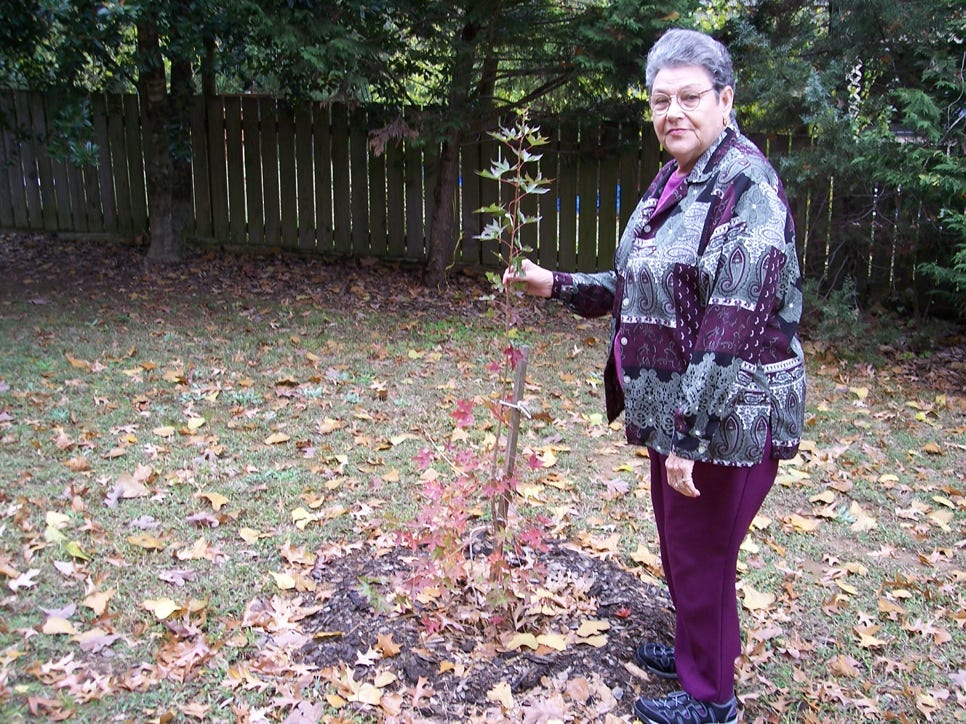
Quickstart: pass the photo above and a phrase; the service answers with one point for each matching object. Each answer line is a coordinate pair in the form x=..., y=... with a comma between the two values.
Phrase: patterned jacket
x=705, y=297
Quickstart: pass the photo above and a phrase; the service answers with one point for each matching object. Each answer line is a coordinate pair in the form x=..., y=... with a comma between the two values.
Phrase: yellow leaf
x=547, y=458
x=335, y=701
x=942, y=500
x=57, y=520
x=249, y=535
x=645, y=557
x=146, y=541
x=277, y=438
x=78, y=464
x=165, y=431
x=860, y=392
x=867, y=638
x=53, y=535
x=598, y=642
x=501, y=694
x=826, y=497
x=328, y=425
x=863, y=521
x=197, y=551
x=384, y=679
x=217, y=500
x=160, y=607
x=519, y=640
x=932, y=449
x=80, y=364
x=132, y=486
x=56, y=625
x=74, y=550
x=757, y=600
x=592, y=627
x=196, y=423
x=802, y=524
x=284, y=581
x=367, y=694
x=552, y=641
x=97, y=601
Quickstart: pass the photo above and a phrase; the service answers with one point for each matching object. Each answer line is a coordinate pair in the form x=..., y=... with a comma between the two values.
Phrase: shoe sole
x=658, y=672
x=647, y=720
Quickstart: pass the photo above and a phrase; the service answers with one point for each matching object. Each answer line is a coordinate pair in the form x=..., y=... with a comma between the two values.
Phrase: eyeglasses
x=687, y=99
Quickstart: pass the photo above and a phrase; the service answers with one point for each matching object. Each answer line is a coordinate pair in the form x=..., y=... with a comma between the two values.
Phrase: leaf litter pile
x=205, y=468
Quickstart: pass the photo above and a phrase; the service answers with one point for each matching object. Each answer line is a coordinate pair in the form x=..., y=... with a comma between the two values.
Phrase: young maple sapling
x=446, y=575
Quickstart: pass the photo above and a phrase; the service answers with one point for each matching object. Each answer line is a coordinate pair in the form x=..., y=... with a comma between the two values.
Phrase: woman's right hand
x=538, y=281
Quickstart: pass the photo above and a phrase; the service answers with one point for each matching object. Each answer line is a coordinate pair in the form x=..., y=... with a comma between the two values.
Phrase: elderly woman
x=705, y=298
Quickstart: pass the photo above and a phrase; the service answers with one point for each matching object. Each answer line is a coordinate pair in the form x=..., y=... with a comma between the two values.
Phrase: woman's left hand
x=680, y=475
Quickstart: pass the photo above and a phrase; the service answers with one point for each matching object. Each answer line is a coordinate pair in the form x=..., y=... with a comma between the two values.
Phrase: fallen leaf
x=755, y=600
x=97, y=601
x=160, y=607
x=283, y=580
x=519, y=640
x=556, y=642
x=217, y=500
x=74, y=550
x=95, y=640
x=502, y=695
x=146, y=541
x=386, y=646
x=592, y=627
x=55, y=625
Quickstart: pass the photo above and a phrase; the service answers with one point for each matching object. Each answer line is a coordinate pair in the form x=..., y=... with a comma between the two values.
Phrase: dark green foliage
x=879, y=92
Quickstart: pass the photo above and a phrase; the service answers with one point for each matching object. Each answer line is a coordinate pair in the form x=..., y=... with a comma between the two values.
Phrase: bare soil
x=634, y=610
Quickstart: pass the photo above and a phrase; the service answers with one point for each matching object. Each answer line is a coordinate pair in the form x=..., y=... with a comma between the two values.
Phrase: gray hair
x=689, y=47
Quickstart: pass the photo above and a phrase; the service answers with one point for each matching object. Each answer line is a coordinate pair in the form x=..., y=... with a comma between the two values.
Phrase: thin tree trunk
x=481, y=17
x=159, y=173
x=442, y=234
x=181, y=99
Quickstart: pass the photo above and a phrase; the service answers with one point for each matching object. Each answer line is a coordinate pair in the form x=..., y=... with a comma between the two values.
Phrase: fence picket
x=252, y=151
x=322, y=150
x=268, y=152
x=341, y=191
x=305, y=172
x=104, y=171
x=287, y=179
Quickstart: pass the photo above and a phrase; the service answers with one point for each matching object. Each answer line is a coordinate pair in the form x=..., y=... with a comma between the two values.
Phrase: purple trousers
x=699, y=551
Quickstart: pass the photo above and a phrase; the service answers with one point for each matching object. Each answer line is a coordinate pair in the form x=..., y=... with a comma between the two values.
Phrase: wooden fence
x=306, y=179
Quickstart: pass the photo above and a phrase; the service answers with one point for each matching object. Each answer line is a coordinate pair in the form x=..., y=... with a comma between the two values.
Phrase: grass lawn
x=177, y=446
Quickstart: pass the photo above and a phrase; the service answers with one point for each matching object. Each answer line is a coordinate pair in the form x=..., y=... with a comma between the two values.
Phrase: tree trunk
x=481, y=16
x=442, y=230
x=158, y=167
x=182, y=97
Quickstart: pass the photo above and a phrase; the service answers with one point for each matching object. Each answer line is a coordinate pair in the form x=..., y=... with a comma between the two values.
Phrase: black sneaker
x=658, y=659
x=681, y=708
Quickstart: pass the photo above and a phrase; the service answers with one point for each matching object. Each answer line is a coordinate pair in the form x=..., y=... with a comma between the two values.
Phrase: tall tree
x=880, y=90
x=170, y=50
x=470, y=64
